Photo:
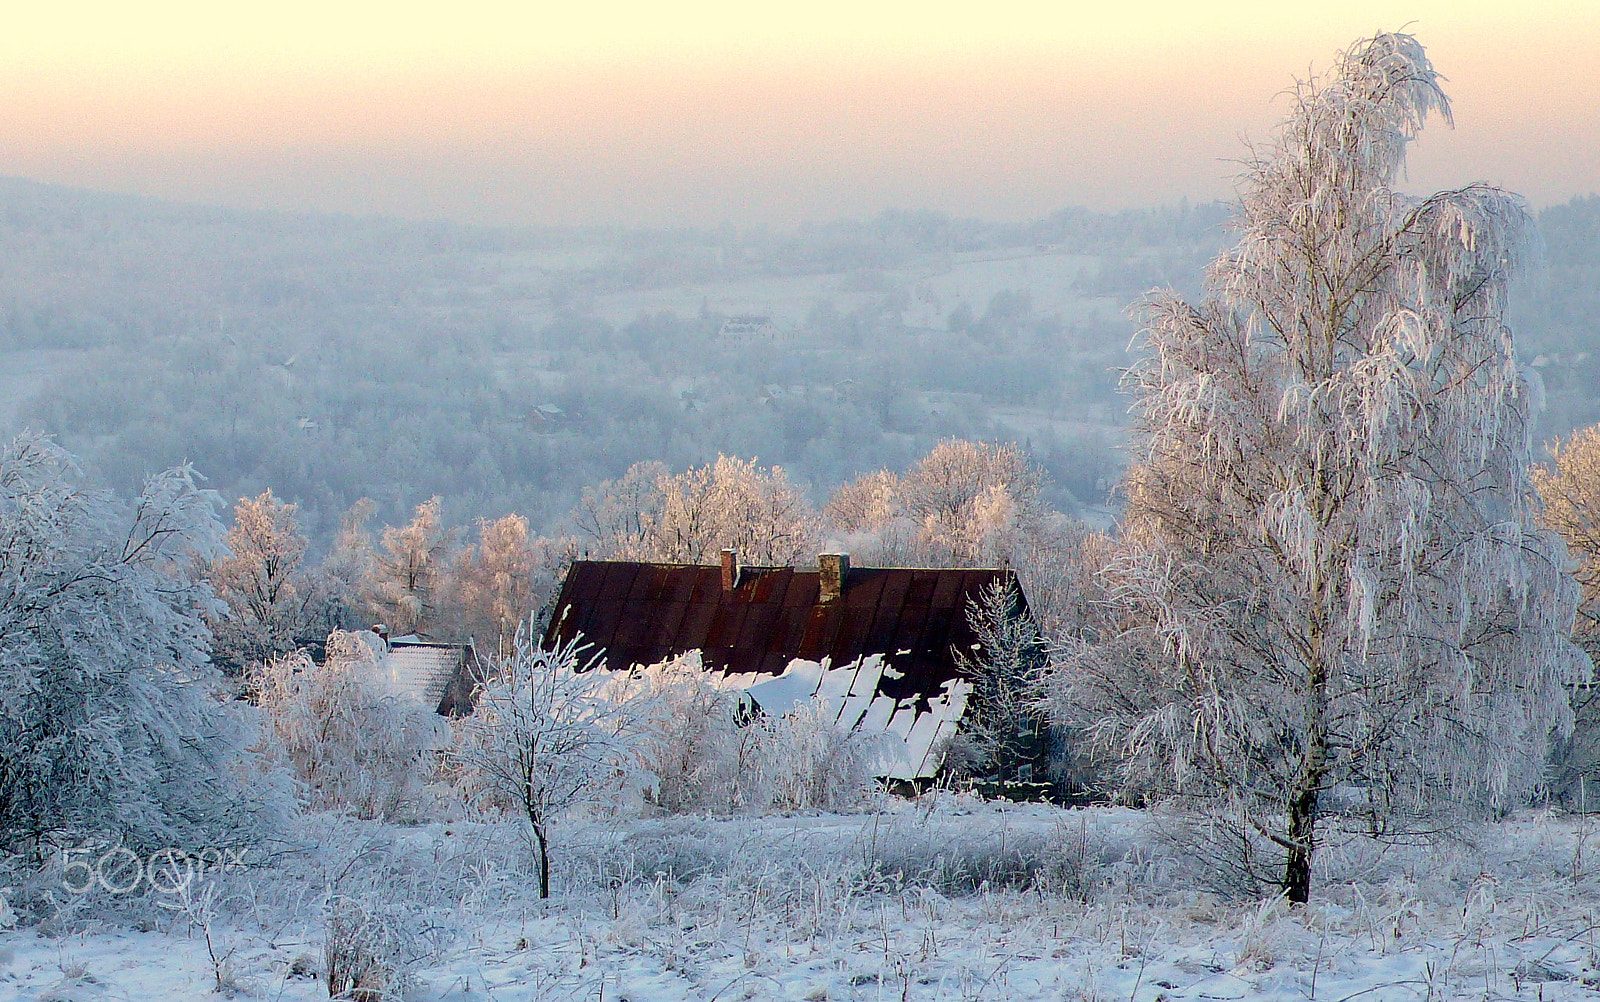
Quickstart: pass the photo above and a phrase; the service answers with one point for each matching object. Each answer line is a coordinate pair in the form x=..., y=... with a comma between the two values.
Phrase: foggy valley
x=330, y=358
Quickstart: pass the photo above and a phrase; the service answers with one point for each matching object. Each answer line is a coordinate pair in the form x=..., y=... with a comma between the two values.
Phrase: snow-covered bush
x=363, y=953
x=111, y=726
x=386, y=912
x=354, y=741
x=810, y=763
x=693, y=745
x=704, y=746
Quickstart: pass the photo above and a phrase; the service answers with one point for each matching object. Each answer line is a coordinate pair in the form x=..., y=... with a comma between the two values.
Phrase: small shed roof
x=440, y=676
x=645, y=613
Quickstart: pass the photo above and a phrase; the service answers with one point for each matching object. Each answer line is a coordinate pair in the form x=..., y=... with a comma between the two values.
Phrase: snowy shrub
x=371, y=946
x=701, y=745
x=1065, y=859
x=354, y=741
x=693, y=746
x=808, y=762
x=704, y=746
x=111, y=724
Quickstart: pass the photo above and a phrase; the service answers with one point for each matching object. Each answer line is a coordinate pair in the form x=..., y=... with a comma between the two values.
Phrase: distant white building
x=748, y=329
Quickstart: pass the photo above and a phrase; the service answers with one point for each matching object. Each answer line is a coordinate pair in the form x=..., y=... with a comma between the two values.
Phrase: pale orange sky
x=749, y=113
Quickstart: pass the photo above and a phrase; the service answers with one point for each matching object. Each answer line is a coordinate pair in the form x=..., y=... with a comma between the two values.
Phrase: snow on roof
x=912, y=745
x=423, y=671
x=891, y=632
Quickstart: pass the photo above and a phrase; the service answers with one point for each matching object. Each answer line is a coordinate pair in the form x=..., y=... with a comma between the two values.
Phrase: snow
x=871, y=907
x=848, y=695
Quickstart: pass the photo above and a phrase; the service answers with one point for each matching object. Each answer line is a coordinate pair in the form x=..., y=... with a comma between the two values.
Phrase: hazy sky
x=760, y=111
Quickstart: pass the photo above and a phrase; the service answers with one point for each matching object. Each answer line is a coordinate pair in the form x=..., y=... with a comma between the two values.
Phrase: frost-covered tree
x=975, y=503
x=974, y=499
x=1334, y=553
x=1003, y=735
x=274, y=603
x=350, y=564
x=1569, y=488
x=1570, y=491
x=733, y=503
x=964, y=503
x=111, y=725
x=690, y=517
x=494, y=585
x=547, y=738
x=355, y=742
x=617, y=516
x=403, y=573
x=865, y=504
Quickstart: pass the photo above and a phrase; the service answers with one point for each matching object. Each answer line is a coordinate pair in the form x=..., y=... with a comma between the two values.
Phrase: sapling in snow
x=547, y=738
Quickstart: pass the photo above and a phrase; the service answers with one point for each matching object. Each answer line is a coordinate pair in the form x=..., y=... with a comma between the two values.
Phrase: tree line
x=964, y=504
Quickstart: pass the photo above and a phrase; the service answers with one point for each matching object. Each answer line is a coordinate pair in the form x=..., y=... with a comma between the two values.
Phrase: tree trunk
x=1302, y=840
x=1306, y=793
x=544, y=858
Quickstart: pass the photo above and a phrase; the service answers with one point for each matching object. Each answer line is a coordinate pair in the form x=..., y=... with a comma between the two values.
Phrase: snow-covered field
x=943, y=900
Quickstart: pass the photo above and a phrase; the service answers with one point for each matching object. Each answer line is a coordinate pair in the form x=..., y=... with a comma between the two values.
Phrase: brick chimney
x=730, y=569
x=834, y=569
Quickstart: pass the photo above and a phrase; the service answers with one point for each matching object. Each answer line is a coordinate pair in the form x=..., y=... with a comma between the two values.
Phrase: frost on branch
x=355, y=741
x=1335, y=572
x=110, y=723
x=547, y=737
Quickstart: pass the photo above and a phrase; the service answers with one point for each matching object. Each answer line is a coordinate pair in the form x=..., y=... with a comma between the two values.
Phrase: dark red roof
x=641, y=614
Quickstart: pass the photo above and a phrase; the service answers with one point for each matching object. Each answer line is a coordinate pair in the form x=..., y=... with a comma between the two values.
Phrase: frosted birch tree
x=406, y=570
x=274, y=602
x=1334, y=560
x=493, y=585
